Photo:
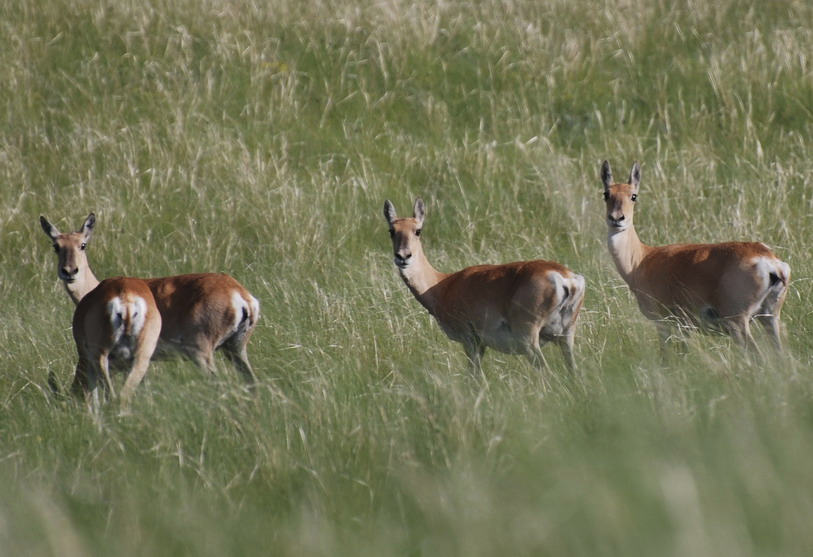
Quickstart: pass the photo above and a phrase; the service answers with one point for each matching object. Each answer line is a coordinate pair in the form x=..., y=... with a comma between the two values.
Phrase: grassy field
x=261, y=139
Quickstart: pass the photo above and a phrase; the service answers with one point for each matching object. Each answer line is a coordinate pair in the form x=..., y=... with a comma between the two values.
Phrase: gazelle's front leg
x=740, y=330
x=86, y=385
x=474, y=352
x=668, y=341
x=203, y=355
x=533, y=351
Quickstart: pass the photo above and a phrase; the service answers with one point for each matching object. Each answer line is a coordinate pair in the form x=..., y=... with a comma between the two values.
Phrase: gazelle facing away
x=512, y=308
x=200, y=313
x=116, y=325
x=722, y=285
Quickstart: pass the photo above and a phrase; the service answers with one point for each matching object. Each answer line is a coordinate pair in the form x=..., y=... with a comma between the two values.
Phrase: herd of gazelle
x=513, y=308
x=517, y=307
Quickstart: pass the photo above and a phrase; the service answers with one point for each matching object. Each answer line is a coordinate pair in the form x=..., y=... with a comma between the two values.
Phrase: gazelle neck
x=627, y=251
x=423, y=279
x=84, y=283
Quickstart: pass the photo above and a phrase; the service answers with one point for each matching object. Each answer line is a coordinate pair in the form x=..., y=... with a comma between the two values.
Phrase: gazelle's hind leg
x=565, y=343
x=90, y=389
x=234, y=347
x=239, y=358
x=104, y=367
x=235, y=350
x=141, y=361
x=86, y=384
x=570, y=313
x=768, y=314
x=81, y=379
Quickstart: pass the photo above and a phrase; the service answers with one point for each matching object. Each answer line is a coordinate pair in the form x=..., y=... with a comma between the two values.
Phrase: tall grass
x=261, y=139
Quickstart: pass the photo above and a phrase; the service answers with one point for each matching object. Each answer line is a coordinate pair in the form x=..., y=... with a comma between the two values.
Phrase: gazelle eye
x=634, y=197
x=606, y=195
x=418, y=232
x=83, y=246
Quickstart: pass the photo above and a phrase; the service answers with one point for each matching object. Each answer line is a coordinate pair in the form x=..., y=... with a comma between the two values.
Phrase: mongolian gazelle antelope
x=722, y=285
x=116, y=324
x=513, y=308
x=200, y=313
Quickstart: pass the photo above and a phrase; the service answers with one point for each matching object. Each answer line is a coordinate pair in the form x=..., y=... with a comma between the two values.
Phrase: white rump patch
x=138, y=314
x=239, y=305
x=121, y=313
x=785, y=270
x=115, y=312
x=574, y=286
x=558, y=282
x=255, y=309
x=765, y=266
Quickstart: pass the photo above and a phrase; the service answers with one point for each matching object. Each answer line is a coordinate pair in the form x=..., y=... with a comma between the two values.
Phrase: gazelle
x=117, y=324
x=722, y=285
x=200, y=313
x=513, y=308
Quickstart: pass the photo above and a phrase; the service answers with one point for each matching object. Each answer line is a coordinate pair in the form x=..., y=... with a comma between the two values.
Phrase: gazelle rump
x=116, y=325
x=724, y=285
x=512, y=308
x=200, y=312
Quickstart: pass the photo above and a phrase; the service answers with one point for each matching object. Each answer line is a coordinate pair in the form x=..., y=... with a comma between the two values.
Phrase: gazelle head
x=620, y=198
x=72, y=261
x=405, y=233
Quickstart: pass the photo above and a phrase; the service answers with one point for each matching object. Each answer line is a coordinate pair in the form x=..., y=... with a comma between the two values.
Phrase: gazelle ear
x=389, y=211
x=87, y=227
x=606, y=176
x=419, y=210
x=49, y=228
x=635, y=176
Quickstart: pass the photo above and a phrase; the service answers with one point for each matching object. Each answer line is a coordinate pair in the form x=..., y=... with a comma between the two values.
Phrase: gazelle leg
x=144, y=351
x=771, y=324
x=670, y=342
x=533, y=351
x=104, y=366
x=81, y=380
x=474, y=352
x=566, y=345
x=133, y=379
x=664, y=336
x=92, y=394
x=740, y=331
x=768, y=315
x=85, y=385
x=204, y=357
x=239, y=358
